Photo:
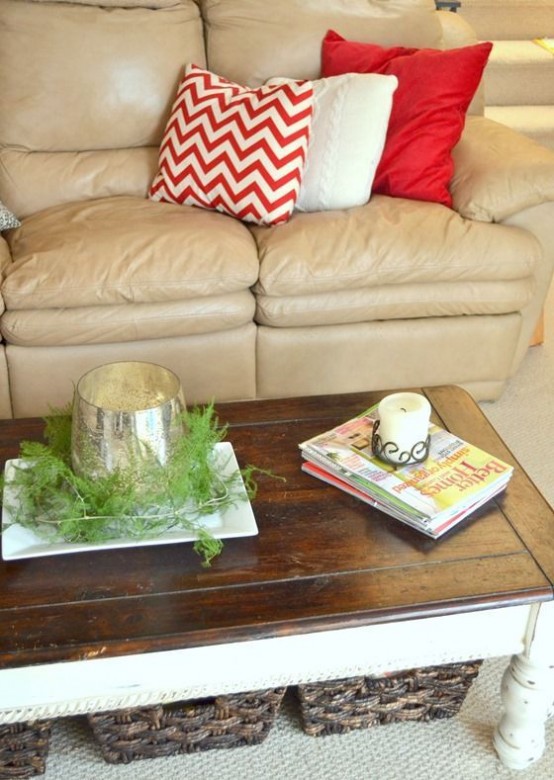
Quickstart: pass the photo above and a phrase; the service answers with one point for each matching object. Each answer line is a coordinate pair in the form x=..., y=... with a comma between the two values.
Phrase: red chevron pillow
x=234, y=149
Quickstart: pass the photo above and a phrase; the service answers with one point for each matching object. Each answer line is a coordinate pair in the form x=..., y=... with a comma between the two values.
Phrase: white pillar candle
x=404, y=422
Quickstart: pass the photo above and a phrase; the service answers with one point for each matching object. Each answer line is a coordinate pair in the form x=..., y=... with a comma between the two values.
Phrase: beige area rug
x=524, y=415
x=457, y=749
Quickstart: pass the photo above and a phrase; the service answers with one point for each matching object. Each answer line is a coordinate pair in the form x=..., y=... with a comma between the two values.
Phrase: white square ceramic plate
x=232, y=521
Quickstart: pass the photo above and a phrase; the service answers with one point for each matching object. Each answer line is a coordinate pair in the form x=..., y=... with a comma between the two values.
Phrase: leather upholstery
x=5, y=399
x=45, y=179
x=499, y=172
x=393, y=293
x=211, y=366
x=121, y=249
x=387, y=242
x=394, y=302
x=128, y=321
x=99, y=79
x=5, y=262
x=244, y=47
x=385, y=354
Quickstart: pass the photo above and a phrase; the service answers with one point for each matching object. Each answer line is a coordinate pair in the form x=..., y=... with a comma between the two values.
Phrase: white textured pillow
x=349, y=126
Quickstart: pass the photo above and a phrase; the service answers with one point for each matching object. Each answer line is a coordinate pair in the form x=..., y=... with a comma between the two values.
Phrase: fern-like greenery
x=60, y=505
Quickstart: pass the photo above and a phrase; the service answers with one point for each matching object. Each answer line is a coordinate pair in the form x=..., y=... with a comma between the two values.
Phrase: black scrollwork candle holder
x=389, y=452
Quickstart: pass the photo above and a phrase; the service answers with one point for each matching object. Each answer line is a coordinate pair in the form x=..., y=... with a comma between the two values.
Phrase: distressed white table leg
x=528, y=694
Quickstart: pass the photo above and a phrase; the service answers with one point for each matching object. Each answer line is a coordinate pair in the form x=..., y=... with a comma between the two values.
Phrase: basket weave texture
x=186, y=727
x=24, y=748
x=424, y=694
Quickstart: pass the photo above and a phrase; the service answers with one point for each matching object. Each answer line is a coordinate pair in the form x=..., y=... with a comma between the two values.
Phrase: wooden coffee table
x=328, y=588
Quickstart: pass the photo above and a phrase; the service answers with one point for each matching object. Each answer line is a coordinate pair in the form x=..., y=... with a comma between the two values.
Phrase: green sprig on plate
x=59, y=505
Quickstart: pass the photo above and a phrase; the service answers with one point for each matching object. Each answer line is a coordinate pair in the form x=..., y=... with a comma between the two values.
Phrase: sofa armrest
x=539, y=222
x=5, y=262
x=456, y=31
x=499, y=172
x=5, y=256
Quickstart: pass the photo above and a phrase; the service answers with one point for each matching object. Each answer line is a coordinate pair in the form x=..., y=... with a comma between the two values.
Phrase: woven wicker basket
x=23, y=748
x=186, y=727
x=423, y=694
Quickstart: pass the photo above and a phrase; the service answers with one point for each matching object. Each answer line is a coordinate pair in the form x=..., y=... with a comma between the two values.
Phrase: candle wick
x=402, y=409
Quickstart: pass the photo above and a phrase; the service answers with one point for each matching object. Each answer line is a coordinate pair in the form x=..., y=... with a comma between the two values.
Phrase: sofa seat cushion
x=390, y=258
x=128, y=321
x=394, y=302
x=126, y=250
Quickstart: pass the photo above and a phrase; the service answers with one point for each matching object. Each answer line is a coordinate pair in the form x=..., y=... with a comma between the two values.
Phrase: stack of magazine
x=431, y=497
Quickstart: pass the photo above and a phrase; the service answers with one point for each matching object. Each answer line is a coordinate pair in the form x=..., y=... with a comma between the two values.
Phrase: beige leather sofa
x=393, y=293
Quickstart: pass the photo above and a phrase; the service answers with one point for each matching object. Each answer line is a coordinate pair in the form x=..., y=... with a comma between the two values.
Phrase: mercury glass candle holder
x=125, y=414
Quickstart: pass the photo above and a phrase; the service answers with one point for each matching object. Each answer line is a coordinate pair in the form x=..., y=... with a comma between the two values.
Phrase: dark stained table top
x=321, y=559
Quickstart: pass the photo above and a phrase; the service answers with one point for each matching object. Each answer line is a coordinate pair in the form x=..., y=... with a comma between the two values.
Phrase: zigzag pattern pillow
x=234, y=149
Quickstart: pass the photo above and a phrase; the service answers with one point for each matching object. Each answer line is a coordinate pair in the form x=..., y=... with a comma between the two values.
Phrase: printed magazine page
x=441, y=523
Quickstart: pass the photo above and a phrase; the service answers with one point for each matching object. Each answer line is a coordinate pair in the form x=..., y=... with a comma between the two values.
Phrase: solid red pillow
x=434, y=91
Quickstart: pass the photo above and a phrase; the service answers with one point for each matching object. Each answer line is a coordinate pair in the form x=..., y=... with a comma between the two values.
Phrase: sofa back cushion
x=250, y=41
x=87, y=88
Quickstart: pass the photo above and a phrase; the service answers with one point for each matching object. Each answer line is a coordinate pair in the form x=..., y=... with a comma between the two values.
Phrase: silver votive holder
x=125, y=414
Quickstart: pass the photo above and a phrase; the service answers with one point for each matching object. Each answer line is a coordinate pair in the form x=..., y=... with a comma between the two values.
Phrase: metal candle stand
x=385, y=450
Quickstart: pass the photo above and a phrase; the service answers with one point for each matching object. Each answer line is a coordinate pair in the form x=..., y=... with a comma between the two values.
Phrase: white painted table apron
x=525, y=632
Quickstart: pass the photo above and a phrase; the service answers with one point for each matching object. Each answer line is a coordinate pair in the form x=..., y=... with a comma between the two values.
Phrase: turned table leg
x=528, y=695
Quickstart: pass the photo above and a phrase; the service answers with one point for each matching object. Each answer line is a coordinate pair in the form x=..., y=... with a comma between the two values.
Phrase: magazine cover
x=455, y=478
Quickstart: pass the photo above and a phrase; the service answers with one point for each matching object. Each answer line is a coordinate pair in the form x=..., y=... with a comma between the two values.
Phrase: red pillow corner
x=435, y=88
